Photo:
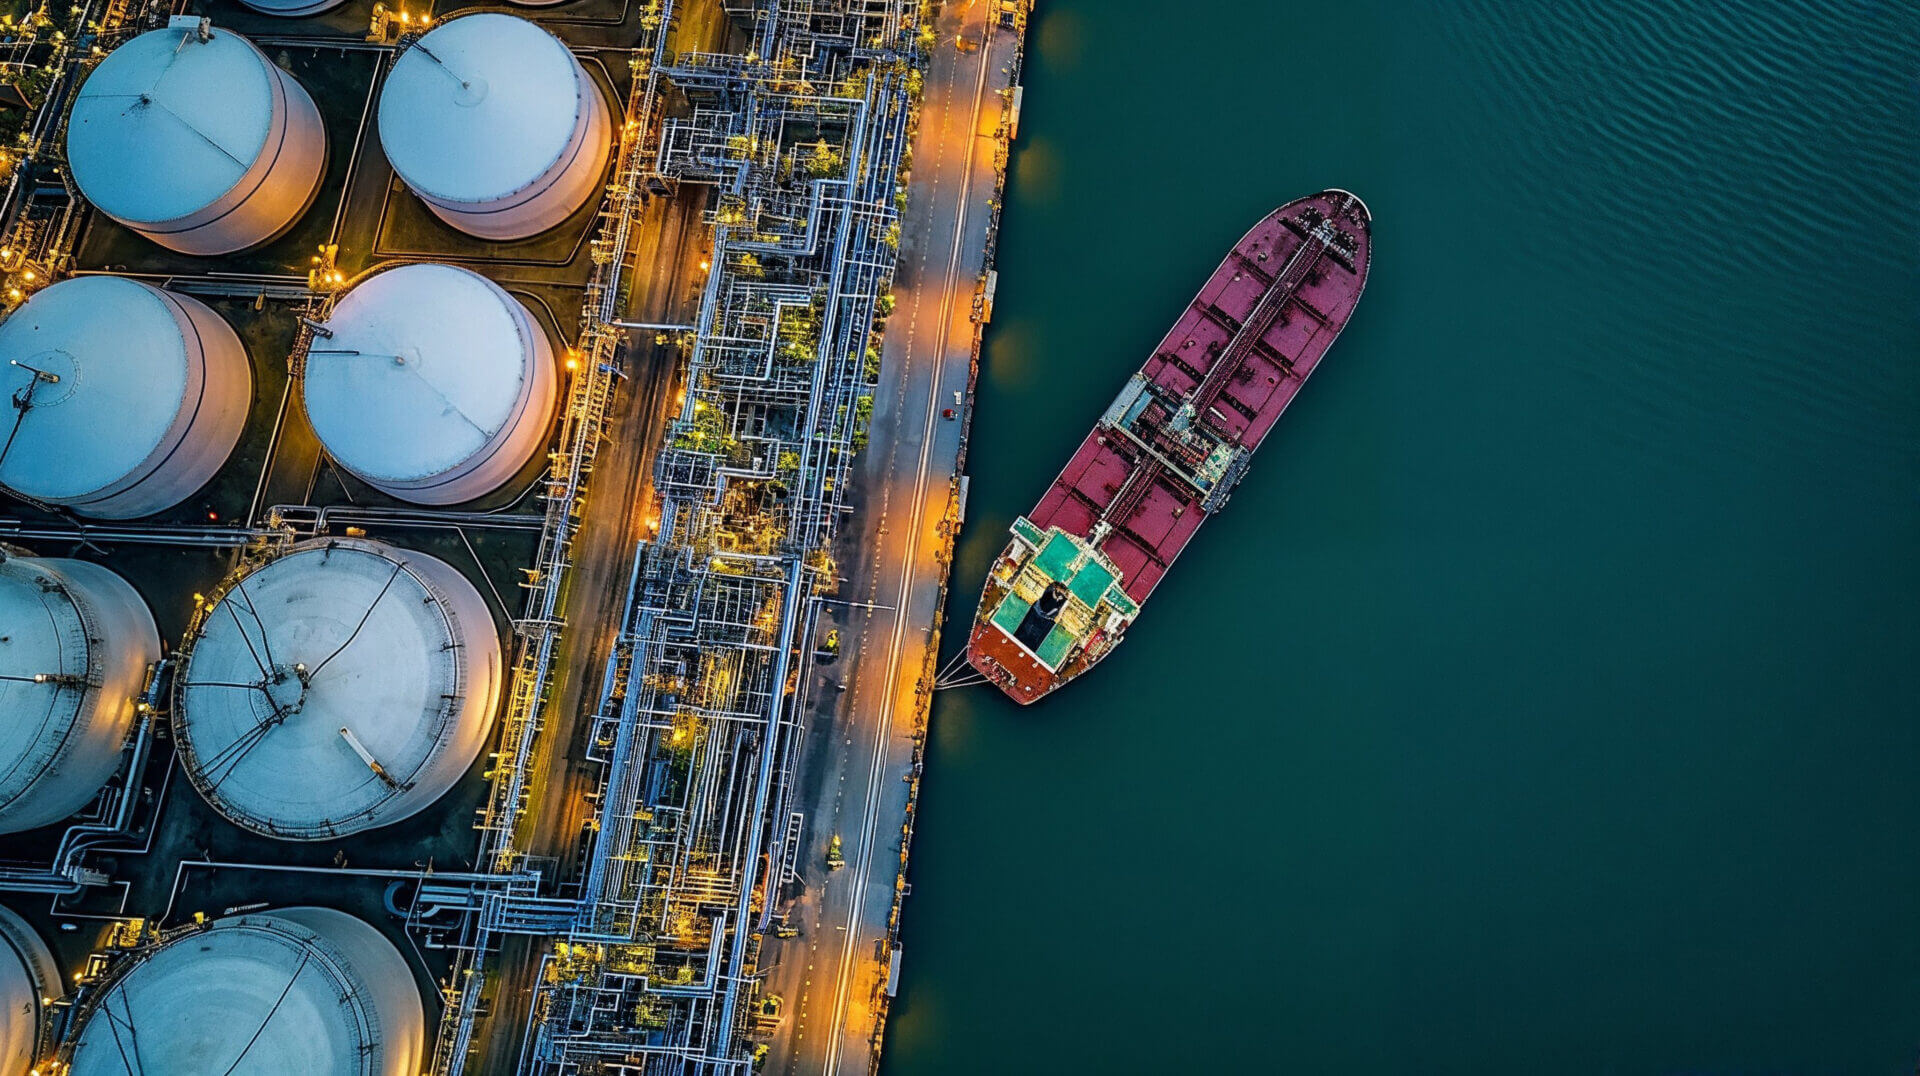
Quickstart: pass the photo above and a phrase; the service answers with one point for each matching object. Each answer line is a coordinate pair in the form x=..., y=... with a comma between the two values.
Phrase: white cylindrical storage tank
x=436, y=386
x=495, y=125
x=292, y=9
x=296, y=992
x=75, y=645
x=343, y=686
x=138, y=396
x=196, y=141
x=29, y=984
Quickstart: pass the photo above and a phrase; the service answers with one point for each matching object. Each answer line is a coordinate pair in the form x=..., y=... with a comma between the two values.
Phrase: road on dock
x=853, y=780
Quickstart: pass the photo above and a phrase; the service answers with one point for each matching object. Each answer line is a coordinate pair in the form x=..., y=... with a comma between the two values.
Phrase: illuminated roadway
x=859, y=748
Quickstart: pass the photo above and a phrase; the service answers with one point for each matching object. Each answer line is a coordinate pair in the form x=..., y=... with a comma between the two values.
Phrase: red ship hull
x=1167, y=452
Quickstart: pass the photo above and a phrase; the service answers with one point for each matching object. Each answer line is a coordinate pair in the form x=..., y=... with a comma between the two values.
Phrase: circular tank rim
x=113, y=163
x=459, y=615
x=434, y=308
x=95, y=317
x=63, y=706
x=43, y=979
x=47, y=782
x=427, y=170
x=366, y=993
x=298, y=10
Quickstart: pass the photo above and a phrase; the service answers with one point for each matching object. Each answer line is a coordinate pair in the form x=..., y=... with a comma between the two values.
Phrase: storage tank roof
x=41, y=633
x=117, y=349
x=168, y=123
x=344, y=636
x=259, y=986
x=480, y=107
x=27, y=979
x=427, y=363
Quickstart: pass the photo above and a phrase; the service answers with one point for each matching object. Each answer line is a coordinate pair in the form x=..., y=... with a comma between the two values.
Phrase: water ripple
x=1741, y=178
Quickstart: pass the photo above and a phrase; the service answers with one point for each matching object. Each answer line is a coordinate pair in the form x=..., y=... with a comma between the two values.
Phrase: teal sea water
x=1548, y=698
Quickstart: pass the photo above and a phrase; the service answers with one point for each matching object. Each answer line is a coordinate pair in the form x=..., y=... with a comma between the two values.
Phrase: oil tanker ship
x=1170, y=448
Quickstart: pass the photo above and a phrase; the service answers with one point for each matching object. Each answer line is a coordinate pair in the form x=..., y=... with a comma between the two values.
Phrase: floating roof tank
x=29, y=984
x=75, y=644
x=436, y=386
x=343, y=686
x=308, y=991
x=495, y=125
x=196, y=140
x=136, y=396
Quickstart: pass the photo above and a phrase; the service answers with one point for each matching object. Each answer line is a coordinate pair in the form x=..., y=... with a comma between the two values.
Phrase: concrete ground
x=861, y=745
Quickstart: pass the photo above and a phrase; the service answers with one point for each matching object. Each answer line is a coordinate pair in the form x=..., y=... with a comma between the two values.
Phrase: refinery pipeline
x=451, y=535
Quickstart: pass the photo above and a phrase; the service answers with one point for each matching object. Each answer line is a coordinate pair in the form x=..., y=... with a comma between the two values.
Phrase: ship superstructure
x=1168, y=451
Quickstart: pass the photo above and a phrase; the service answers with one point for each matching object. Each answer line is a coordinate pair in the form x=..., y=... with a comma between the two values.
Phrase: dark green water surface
x=1548, y=698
